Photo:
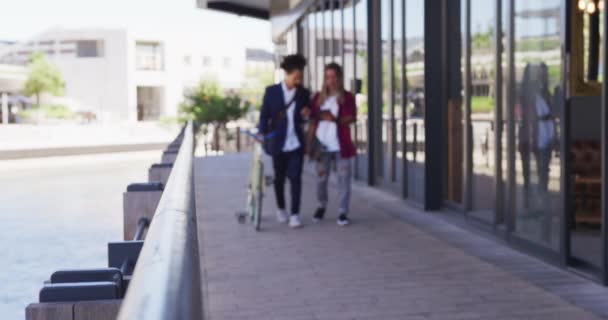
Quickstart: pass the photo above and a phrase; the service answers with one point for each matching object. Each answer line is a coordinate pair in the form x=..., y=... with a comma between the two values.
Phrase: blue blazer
x=272, y=105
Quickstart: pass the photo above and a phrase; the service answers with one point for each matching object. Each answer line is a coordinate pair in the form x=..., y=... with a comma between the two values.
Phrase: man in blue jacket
x=285, y=109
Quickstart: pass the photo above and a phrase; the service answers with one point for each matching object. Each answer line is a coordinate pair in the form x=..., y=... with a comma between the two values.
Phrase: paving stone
x=381, y=267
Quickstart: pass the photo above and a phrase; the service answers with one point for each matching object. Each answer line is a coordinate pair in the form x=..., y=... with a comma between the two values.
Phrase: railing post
x=5, y=110
x=238, y=139
x=415, y=143
x=166, y=279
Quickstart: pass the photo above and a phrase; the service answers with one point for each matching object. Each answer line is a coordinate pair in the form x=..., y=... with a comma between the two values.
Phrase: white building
x=132, y=75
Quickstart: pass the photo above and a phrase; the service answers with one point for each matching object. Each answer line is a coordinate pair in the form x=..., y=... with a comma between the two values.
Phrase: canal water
x=59, y=213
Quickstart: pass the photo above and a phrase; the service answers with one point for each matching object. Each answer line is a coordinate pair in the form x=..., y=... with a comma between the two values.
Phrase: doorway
x=149, y=103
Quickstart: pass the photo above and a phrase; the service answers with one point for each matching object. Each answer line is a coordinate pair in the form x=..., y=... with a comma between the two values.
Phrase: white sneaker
x=294, y=221
x=343, y=220
x=282, y=216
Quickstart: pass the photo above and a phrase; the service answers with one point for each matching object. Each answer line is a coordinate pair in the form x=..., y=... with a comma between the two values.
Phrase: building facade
x=128, y=74
x=491, y=110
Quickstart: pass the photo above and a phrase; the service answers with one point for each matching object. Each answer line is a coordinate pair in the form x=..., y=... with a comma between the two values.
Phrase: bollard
x=139, y=201
x=160, y=172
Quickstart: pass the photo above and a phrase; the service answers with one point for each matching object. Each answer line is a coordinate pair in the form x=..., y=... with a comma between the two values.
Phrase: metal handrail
x=166, y=280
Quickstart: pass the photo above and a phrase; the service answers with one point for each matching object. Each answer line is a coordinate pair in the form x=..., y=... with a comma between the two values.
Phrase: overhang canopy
x=283, y=14
x=252, y=8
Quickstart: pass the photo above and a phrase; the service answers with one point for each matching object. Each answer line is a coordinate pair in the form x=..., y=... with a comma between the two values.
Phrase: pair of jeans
x=343, y=171
x=288, y=165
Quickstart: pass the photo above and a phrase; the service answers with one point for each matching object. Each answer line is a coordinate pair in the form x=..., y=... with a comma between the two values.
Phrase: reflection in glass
x=538, y=81
x=328, y=28
x=349, y=46
x=337, y=32
x=585, y=145
x=362, y=98
x=386, y=89
x=399, y=104
x=481, y=89
x=414, y=19
x=310, y=49
x=320, y=45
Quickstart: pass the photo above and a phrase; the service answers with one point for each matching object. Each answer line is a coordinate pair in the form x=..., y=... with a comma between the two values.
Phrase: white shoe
x=282, y=216
x=294, y=221
x=343, y=220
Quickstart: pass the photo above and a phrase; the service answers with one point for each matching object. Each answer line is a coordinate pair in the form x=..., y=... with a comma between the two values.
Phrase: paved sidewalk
x=379, y=268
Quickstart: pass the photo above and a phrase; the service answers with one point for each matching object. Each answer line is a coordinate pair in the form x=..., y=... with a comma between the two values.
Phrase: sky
x=23, y=19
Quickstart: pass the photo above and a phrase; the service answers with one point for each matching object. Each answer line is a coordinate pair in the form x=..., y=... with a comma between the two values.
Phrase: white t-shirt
x=291, y=141
x=327, y=131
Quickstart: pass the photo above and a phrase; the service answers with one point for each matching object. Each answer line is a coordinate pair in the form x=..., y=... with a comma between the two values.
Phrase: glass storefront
x=481, y=88
x=415, y=99
x=386, y=164
x=522, y=155
x=361, y=129
x=536, y=121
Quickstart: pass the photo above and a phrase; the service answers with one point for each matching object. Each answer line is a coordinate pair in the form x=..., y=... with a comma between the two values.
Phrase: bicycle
x=256, y=187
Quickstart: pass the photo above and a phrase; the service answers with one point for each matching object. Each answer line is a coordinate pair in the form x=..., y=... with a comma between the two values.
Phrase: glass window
x=593, y=34
x=481, y=89
x=303, y=27
x=337, y=31
x=398, y=88
x=312, y=47
x=187, y=61
x=415, y=139
x=349, y=46
x=149, y=56
x=538, y=63
x=362, y=97
x=89, y=48
x=328, y=27
x=387, y=93
x=321, y=45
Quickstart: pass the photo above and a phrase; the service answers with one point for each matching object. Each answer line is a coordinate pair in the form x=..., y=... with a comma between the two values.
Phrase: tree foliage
x=207, y=104
x=43, y=77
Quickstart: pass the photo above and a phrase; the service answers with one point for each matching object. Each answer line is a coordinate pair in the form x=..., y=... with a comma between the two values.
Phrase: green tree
x=43, y=77
x=207, y=104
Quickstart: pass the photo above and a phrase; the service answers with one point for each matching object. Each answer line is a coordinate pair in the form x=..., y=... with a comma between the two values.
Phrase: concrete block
x=50, y=311
x=81, y=291
x=160, y=172
x=168, y=157
x=139, y=204
x=97, y=310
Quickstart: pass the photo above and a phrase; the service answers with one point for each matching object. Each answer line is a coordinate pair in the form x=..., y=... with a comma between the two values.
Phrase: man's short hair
x=293, y=62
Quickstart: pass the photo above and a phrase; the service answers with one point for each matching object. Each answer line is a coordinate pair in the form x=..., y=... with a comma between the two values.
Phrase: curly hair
x=293, y=62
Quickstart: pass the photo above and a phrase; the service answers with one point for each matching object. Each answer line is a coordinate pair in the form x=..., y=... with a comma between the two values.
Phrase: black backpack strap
x=282, y=113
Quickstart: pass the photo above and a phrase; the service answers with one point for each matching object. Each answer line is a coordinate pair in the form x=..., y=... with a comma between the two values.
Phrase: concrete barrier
x=168, y=156
x=139, y=201
x=50, y=311
x=81, y=310
x=97, y=310
x=160, y=172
